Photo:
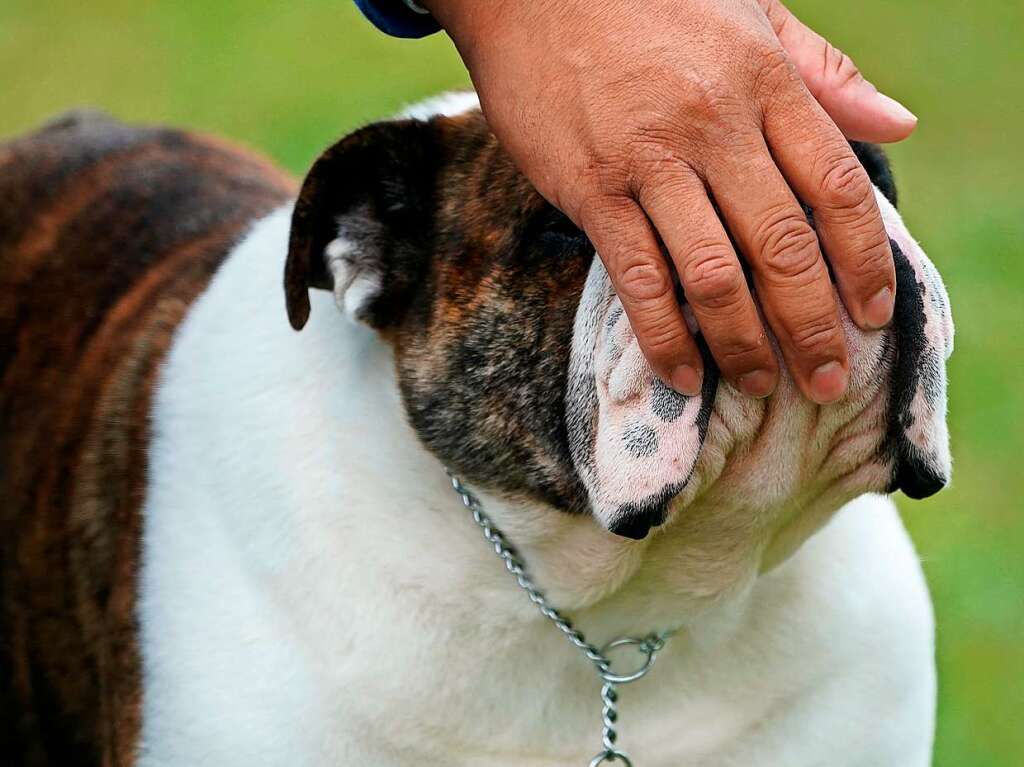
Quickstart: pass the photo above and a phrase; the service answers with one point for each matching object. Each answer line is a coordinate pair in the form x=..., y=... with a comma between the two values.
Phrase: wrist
x=469, y=22
x=450, y=11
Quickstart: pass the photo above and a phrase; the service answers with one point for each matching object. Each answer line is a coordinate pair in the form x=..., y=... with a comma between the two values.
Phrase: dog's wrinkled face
x=519, y=370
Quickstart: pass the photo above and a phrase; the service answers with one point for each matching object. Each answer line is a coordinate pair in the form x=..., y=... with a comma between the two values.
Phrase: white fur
x=313, y=593
x=353, y=288
x=448, y=104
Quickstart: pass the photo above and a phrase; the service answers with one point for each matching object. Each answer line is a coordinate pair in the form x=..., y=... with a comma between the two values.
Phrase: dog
x=227, y=543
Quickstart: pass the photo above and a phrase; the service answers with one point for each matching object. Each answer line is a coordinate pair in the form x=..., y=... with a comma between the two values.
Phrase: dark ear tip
x=297, y=305
x=298, y=316
x=296, y=276
x=917, y=480
x=636, y=520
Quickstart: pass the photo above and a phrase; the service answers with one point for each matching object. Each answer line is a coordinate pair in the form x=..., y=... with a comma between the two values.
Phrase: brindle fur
x=464, y=243
x=107, y=233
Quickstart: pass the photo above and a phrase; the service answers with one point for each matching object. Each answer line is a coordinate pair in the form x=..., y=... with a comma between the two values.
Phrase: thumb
x=853, y=103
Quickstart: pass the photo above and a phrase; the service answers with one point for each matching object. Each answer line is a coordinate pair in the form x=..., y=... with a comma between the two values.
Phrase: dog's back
x=107, y=233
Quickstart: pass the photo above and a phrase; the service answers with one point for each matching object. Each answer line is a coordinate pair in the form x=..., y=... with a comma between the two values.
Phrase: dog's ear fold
x=363, y=222
x=634, y=441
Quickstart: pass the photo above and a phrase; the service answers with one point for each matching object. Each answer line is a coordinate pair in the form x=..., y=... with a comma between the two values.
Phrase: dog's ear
x=363, y=222
x=923, y=329
x=634, y=441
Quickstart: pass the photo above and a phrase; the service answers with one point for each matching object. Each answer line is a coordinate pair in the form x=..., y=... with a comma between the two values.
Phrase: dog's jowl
x=224, y=542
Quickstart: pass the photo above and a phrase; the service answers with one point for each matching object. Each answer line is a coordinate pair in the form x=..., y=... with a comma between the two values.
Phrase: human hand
x=658, y=126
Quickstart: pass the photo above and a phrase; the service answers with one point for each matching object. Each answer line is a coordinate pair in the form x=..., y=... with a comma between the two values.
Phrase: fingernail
x=896, y=110
x=828, y=383
x=756, y=383
x=878, y=309
x=686, y=380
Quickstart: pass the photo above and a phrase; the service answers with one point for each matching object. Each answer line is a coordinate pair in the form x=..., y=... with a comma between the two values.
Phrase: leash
x=647, y=647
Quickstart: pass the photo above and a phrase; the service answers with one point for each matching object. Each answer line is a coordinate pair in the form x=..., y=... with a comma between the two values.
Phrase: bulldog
x=227, y=543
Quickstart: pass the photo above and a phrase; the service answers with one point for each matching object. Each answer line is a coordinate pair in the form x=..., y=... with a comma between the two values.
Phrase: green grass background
x=290, y=77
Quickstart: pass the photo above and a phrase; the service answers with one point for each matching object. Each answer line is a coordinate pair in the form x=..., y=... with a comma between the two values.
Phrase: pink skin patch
x=634, y=440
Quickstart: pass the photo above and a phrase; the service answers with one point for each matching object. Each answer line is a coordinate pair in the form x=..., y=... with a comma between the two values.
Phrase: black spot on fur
x=667, y=403
x=641, y=440
x=635, y=520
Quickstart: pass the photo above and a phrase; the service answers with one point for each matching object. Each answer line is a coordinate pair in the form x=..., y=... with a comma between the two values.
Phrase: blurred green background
x=290, y=77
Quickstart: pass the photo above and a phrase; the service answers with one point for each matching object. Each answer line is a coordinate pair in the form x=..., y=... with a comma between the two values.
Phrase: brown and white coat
x=225, y=543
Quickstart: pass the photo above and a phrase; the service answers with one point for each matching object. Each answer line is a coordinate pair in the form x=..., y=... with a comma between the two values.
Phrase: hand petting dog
x=678, y=132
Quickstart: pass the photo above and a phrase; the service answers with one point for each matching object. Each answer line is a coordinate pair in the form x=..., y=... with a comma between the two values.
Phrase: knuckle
x=649, y=146
x=741, y=349
x=769, y=55
x=712, y=277
x=593, y=175
x=601, y=170
x=656, y=174
x=773, y=67
x=692, y=113
x=598, y=210
x=844, y=183
x=787, y=245
x=707, y=97
x=815, y=335
x=643, y=280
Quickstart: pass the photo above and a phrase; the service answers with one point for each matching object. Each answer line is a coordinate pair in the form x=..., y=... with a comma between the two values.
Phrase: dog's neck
x=341, y=377
x=694, y=572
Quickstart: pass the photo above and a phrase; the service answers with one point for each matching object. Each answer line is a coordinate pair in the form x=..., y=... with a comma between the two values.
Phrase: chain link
x=648, y=646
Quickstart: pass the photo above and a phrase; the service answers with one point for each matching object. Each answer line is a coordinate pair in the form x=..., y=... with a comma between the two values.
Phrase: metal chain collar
x=648, y=647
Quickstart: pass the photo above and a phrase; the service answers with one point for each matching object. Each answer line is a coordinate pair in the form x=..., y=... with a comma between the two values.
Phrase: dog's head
x=519, y=370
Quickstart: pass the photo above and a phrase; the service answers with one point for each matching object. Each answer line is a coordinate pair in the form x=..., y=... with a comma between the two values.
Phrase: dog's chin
x=781, y=463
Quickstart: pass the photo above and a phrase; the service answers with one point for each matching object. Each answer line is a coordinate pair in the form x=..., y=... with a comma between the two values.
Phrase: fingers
x=856, y=106
x=629, y=249
x=713, y=280
x=825, y=173
x=790, y=275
